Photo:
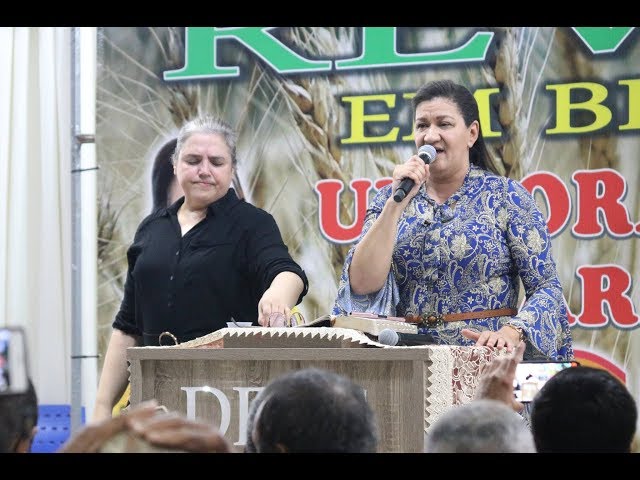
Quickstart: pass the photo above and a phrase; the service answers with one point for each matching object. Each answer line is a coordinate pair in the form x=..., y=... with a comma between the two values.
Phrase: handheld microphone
x=393, y=338
x=428, y=154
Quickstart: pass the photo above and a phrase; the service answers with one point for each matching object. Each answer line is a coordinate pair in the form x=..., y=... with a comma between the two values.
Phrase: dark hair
x=312, y=410
x=583, y=409
x=18, y=416
x=162, y=174
x=249, y=446
x=468, y=108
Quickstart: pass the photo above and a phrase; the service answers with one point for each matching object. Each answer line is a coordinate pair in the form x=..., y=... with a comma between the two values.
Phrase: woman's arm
x=115, y=374
x=543, y=316
x=373, y=255
x=283, y=294
x=275, y=273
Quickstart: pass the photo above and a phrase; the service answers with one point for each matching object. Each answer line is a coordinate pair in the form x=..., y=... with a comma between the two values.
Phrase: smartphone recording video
x=14, y=372
x=531, y=376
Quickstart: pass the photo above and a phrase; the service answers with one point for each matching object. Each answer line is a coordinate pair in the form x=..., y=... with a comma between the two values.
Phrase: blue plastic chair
x=54, y=427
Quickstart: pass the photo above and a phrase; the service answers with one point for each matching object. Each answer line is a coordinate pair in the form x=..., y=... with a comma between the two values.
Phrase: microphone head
x=388, y=337
x=427, y=153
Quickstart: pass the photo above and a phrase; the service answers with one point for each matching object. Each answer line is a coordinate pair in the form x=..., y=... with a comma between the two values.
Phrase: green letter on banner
x=379, y=49
x=201, y=59
x=603, y=39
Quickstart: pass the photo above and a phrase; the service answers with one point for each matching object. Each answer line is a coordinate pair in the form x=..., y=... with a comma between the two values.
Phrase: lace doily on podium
x=452, y=378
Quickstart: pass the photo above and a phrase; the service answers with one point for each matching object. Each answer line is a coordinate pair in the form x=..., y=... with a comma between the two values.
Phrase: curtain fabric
x=35, y=199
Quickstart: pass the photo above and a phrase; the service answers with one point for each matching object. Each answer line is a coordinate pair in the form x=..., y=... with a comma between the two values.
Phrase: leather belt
x=437, y=319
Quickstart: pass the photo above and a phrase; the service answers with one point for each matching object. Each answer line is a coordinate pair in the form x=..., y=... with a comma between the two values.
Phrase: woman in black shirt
x=201, y=262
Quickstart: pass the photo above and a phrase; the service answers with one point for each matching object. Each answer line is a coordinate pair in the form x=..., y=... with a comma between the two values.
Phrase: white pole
x=85, y=237
x=88, y=52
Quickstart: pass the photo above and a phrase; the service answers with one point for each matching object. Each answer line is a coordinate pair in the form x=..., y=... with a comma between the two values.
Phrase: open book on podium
x=368, y=323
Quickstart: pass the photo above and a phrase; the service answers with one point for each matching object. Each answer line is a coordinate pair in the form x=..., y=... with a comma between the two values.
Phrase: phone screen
x=531, y=376
x=14, y=374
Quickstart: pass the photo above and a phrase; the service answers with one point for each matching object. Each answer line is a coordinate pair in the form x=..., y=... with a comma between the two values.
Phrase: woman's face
x=204, y=169
x=439, y=123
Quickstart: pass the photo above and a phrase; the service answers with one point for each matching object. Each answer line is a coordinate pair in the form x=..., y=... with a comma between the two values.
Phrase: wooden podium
x=214, y=378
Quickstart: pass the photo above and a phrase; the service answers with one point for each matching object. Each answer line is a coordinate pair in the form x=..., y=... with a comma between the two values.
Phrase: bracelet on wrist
x=517, y=329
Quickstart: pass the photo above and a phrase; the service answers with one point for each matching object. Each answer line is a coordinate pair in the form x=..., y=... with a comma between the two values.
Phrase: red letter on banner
x=329, y=210
x=606, y=284
x=601, y=191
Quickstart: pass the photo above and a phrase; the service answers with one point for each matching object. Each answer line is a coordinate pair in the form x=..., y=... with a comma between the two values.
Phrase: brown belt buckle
x=432, y=319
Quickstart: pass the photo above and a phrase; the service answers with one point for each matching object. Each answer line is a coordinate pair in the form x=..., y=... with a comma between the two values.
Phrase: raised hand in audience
x=146, y=428
x=496, y=380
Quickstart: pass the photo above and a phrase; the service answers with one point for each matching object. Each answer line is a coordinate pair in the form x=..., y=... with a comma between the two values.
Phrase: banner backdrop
x=324, y=115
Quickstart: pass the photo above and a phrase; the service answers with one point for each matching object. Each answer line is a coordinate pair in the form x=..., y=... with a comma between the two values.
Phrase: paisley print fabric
x=471, y=253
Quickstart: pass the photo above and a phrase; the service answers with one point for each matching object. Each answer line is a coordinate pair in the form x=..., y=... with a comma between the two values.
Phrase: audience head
x=311, y=410
x=480, y=426
x=583, y=409
x=18, y=420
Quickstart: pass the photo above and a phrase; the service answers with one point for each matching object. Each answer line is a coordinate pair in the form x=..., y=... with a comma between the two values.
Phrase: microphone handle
x=403, y=189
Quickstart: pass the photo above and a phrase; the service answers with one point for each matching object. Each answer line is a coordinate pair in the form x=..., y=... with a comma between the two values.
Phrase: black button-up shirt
x=192, y=285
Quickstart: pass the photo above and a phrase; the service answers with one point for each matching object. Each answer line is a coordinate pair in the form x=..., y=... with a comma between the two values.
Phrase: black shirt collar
x=219, y=205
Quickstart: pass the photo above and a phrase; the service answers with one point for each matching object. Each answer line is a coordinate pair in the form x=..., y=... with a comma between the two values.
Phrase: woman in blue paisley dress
x=451, y=255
